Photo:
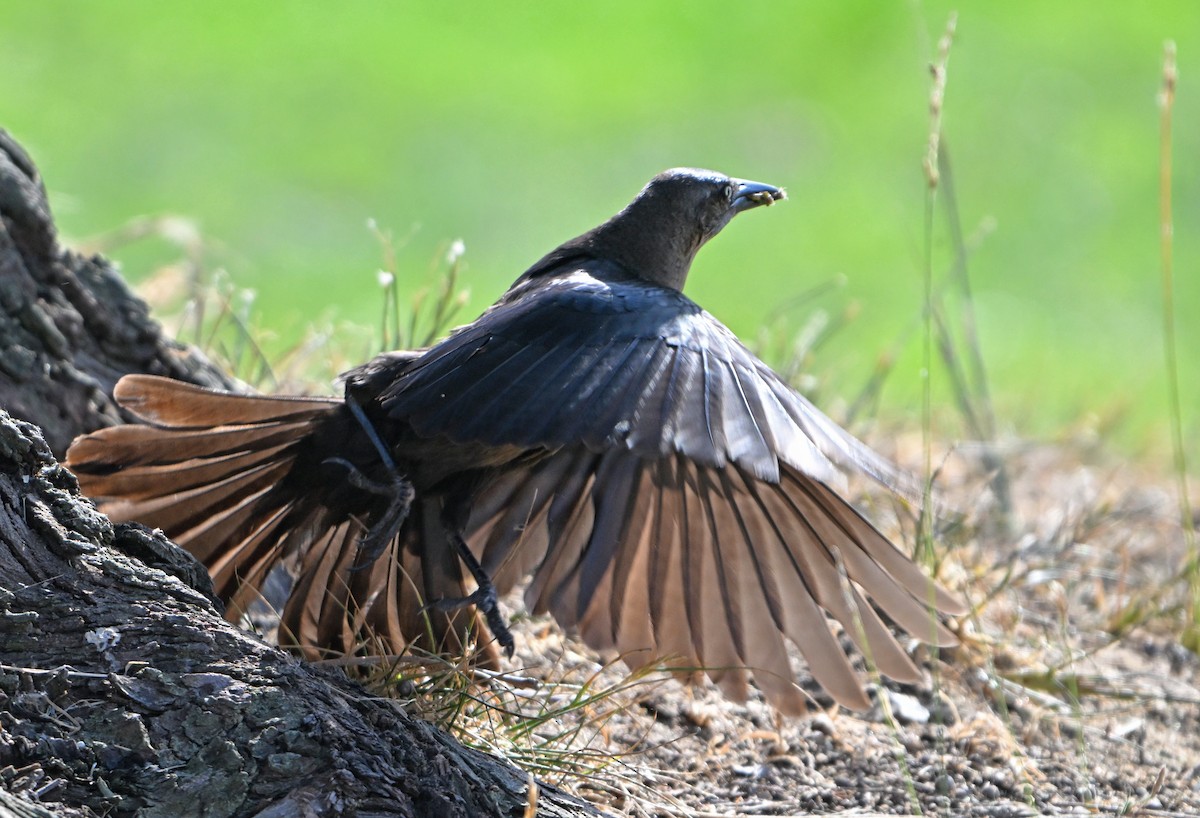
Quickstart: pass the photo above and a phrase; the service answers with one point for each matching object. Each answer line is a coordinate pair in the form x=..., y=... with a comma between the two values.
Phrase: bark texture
x=122, y=689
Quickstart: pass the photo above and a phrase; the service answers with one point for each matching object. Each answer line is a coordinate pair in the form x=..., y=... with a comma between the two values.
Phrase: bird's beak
x=753, y=194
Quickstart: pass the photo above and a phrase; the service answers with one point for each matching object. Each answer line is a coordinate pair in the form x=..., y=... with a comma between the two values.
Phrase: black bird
x=595, y=428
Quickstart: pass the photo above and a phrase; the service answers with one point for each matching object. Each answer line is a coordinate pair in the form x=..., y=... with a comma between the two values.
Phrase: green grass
x=281, y=129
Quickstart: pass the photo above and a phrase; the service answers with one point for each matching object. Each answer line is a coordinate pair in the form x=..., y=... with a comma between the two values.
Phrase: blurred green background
x=281, y=128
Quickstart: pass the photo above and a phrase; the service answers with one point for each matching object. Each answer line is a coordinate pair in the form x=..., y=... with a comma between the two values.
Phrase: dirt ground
x=1041, y=710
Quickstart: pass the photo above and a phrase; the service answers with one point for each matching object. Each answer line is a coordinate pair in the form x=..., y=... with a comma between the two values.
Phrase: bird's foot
x=484, y=597
x=486, y=601
x=360, y=481
x=401, y=495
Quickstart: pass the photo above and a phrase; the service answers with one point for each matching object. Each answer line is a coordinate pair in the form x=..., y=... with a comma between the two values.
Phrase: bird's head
x=658, y=234
x=703, y=201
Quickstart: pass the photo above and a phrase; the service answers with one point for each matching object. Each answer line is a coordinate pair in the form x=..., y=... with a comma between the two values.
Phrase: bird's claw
x=376, y=539
x=360, y=481
x=486, y=601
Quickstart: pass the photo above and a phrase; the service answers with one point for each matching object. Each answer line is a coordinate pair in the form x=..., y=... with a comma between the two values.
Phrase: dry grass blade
x=937, y=94
x=1191, y=573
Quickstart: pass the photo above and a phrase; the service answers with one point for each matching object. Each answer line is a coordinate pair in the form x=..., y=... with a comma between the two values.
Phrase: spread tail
x=238, y=481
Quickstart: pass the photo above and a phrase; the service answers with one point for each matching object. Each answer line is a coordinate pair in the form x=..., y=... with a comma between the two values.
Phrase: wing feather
x=657, y=558
x=630, y=600
x=707, y=602
x=669, y=614
x=596, y=357
x=570, y=519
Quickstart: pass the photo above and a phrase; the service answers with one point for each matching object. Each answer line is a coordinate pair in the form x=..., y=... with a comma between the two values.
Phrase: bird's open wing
x=685, y=496
x=621, y=365
x=668, y=558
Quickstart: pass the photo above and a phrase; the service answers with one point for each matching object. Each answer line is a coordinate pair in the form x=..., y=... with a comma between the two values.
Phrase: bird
x=667, y=494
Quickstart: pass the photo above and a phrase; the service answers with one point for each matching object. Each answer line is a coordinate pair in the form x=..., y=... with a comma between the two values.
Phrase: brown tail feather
x=213, y=472
x=143, y=482
x=173, y=403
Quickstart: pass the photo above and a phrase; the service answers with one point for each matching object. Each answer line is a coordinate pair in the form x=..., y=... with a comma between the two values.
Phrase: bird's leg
x=483, y=597
x=398, y=489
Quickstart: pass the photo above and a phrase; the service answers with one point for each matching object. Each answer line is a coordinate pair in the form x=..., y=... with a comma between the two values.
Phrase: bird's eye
x=728, y=193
